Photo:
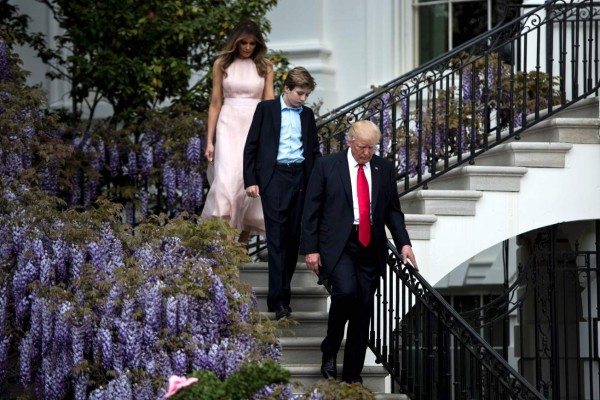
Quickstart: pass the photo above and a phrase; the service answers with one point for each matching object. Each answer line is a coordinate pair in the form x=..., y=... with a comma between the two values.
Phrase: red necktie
x=364, y=205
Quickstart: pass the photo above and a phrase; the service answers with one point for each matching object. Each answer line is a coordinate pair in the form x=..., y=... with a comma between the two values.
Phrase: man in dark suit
x=280, y=150
x=351, y=197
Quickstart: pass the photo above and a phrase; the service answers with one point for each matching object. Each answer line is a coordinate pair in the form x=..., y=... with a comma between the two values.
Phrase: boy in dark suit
x=352, y=196
x=280, y=150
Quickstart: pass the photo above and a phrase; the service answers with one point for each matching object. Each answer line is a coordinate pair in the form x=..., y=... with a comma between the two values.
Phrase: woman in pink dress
x=242, y=76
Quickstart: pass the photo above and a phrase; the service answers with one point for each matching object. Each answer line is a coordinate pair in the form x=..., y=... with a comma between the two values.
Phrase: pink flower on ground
x=151, y=14
x=178, y=382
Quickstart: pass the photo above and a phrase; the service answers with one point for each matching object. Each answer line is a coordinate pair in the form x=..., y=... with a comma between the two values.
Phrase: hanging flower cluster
x=446, y=113
x=96, y=318
x=5, y=73
x=89, y=307
x=152, y=172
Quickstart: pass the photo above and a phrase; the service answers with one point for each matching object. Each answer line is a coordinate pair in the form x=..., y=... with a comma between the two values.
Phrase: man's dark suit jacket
x=329, y=215
x=262, y=144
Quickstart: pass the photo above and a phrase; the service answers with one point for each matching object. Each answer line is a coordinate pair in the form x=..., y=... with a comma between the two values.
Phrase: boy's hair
x=300, y=77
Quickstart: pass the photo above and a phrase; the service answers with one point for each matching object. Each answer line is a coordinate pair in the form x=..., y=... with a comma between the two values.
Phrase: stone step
x=308, y=374
x=526, y=154
x=584, y=108
x=480, y=177
x=391, y=396
x=304, y=350
x=565, y=130
x=306, y=298
x=418, y=225
x=441, y=202
x=255, y=274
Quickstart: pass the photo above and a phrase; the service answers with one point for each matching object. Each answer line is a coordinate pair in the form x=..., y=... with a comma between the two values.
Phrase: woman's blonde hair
x=229, y=52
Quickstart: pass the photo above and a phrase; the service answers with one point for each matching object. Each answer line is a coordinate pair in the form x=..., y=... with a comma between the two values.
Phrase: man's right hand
x=313, y=262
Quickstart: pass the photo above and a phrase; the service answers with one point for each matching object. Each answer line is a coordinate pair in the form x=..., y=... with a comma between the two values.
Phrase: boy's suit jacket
x=262, y=143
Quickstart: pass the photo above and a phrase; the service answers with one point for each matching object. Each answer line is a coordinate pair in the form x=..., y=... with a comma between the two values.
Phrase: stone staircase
x=301, y=343
x=501, y=168
x=455, y=194
x=458, y=203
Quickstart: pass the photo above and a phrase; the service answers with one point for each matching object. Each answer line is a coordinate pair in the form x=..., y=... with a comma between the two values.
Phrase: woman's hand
x=253, y=191
x=210, y=153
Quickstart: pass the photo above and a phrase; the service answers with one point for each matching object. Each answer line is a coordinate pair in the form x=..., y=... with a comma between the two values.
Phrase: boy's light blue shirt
x=290, y=140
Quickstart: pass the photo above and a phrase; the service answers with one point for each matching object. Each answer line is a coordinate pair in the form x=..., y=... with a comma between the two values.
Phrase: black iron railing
x=551, y=309
x=483, y=93
x=441, y=116
x=430, y=351
x=433, y=351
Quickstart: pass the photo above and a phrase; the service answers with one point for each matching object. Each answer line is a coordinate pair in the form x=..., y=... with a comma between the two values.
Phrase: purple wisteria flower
x=59, y=345
x=194, y=151
x=105, y=342
x=143, y=390
x=180, y=362
x=113, y=160
x=77, y=345
x=170, y=184
x=4, y=347
x=221, y=304
x=171, y=314
x=146, y=159
x=131, y=164
x=518, y=120
x=5, y=73
x=408, y=164
x=119, y=388
x=144, y=198
x=471, y=90
x=160, y=155
x=80, y=384
x=26, y=357
x=77, y=258
x=265, y=392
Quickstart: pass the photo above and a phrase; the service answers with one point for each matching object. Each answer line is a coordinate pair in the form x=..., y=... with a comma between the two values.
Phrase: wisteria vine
x=89, y=307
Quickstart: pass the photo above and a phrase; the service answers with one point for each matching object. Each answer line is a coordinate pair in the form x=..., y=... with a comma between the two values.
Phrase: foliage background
x=109, y=283
x=136, y=55
x=150, y=60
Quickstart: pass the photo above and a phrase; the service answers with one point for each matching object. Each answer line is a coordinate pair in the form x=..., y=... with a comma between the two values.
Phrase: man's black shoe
x=281, y=311
x=288, y=308
x=329, y=368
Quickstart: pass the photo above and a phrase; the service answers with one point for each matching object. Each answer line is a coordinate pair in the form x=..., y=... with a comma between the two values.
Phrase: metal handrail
x=483, y=93
x=440, y=116
x=420, y=291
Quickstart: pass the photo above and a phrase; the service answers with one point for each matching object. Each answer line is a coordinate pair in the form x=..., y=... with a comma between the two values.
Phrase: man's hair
x=300, y=77
x=364, y=130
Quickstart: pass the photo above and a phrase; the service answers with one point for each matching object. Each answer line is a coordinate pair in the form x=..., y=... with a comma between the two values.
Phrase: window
x=445, y=24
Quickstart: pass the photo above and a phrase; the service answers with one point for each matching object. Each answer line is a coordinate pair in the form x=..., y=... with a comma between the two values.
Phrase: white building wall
x=348, y=45
x=502, y=215
x=41, y=21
